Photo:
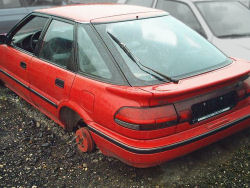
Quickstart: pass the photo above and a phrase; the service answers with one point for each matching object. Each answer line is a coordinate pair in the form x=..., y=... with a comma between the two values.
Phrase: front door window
x=26, y=38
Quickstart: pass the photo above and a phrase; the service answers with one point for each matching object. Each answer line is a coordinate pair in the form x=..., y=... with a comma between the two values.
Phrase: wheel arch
x=2, y=82
x=71, y=114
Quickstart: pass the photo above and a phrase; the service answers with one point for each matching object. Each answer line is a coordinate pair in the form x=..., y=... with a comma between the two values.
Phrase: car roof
x=89, y=12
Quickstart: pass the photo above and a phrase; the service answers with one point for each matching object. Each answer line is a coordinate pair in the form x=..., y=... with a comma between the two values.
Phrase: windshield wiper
x=234, y=35
x=137, y=61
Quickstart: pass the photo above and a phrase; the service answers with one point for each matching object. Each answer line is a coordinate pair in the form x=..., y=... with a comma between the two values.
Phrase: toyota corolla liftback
x=133, y=81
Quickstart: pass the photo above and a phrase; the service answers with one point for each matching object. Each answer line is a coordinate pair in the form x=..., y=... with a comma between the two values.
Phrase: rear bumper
x=146, y=153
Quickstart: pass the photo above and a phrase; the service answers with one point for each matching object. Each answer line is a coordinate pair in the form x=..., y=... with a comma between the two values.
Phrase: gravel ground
x=34, y=151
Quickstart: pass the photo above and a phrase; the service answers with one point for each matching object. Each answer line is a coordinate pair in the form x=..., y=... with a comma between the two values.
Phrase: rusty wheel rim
x=84, y=140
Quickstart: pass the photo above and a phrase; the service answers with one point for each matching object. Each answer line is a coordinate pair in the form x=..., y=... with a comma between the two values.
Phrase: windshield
x=226, y=18
x=165, y=45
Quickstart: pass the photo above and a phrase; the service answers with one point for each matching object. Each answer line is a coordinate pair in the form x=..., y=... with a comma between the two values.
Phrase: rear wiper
x=137, y=61
x=234, y=35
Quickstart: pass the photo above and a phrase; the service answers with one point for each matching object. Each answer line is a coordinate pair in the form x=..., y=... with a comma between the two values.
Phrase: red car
x=134, y=81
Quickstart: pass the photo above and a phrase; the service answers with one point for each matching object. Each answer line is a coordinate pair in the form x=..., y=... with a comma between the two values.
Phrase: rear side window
x=4, y=4
x=182, y=12
x=89, y=58
x=57, y=46
x=145, y=3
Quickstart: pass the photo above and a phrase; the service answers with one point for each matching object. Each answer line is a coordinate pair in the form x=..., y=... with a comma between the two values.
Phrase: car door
x=51, y=75
x=18, y=53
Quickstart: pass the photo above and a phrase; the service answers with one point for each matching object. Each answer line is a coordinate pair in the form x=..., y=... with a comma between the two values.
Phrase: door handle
x=23, y=65
x=59, y=83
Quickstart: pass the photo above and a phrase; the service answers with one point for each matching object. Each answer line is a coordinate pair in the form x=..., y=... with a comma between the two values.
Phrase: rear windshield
x=163, y=44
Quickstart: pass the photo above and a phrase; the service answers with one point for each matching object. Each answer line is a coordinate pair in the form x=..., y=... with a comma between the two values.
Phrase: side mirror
x=3, y=39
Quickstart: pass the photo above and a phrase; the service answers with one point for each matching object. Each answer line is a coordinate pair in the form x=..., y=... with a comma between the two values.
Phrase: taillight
x=242, y=93
x=146, y=118
x=247, y=84
x=244, y=86
x=185, y=115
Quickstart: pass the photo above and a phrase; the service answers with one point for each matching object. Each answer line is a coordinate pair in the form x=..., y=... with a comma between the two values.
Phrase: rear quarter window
x=90, y=60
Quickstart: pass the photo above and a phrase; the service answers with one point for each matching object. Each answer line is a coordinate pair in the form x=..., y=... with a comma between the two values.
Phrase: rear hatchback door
x=205, y=97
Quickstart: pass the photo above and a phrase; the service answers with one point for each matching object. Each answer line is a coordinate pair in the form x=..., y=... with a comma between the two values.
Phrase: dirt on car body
x=34, y=151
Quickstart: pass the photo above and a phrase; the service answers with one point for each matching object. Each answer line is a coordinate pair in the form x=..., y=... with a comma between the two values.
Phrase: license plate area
x=212, y=107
